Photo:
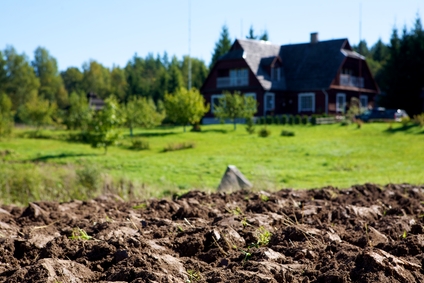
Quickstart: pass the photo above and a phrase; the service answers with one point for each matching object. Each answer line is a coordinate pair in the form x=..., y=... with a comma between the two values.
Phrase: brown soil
x=363, y=234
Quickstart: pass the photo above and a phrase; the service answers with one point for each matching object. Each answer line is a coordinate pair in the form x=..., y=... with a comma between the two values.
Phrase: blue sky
x=111, y=32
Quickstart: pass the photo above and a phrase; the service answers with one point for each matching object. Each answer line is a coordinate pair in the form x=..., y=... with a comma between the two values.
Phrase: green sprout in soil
x=247, y=255
x=79, y=234
x=264, y=198
x=263, y=236
x=140, y=206
x=192, y=276
x=236, y=211
x=404, y=234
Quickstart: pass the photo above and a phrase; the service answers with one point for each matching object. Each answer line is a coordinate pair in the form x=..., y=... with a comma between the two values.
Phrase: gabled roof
x=253, y=51
x=306, y=66
x=310, y=66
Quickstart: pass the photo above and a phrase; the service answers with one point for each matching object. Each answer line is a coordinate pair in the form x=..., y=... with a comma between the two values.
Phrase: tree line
x=398, y=68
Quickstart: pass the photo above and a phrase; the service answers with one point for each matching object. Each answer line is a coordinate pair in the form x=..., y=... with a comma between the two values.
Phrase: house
x=94, y=102
x=314, y=77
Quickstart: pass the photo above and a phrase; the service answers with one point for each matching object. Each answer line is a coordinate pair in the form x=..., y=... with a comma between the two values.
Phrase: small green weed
x=263, y=236
x=140, y=206
x=193, y=275
x=247, y=255
x=79, y=234
x=264, y=198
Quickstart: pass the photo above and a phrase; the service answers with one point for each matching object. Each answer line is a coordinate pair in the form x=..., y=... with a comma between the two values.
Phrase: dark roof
x=94, y=101
x=253, y=52
x=306, y=66
x=310, y=66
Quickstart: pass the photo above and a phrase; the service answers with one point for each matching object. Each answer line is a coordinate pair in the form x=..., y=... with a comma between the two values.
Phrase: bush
x=250, y=125
x=345, y=123
x=297, y=119
x=276, y=120
x=284, y=120
x=264, y=132
x=269, y=120
x=196, y=128
x=419, y=120
x=314, y=120
x=260, y=121
x=178, y=146
x=304, y=120
x=89, y=177
x=286, y=133
x=290, y=120
x=138, y=144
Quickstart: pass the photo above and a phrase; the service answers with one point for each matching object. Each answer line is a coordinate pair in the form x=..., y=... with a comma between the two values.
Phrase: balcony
x=348, y=80
x=231, y=81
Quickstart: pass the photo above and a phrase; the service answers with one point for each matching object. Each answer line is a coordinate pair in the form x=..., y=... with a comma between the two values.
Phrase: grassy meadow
x=52, y=168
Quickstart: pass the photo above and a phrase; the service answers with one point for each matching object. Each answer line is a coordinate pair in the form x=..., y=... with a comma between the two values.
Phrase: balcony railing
x=348, y=80
x=232, y=81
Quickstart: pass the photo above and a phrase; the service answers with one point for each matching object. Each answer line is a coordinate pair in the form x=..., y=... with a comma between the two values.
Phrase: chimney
x=314, y=37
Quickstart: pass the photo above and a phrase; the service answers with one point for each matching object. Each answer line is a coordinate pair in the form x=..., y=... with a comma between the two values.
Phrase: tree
x=222, y=46
x=264, y=36
x=362, y=48
x=97, y=79
x=79, y=114
x=404, y=70
x=73, y=80
x=233, y=106
x=103, y=130
x=37, y=112
x=51, y=83
x=175, y=78
x=199, y=72
x=251, y=34
x=6, y=115
x=21, y=81
x=119, y=83
x=141, y=112
x=185, y=106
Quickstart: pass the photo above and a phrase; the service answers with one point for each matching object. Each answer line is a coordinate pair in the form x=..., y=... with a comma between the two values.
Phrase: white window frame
x=215, y=96
x=340, y=108
x=299, y=102
x=271, y=94
x=363, y=98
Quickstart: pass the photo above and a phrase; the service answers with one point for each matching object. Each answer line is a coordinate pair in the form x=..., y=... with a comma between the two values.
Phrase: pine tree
x=222, y=46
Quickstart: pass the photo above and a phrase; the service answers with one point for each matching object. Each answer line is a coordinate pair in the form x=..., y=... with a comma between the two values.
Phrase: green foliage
x=141, y=112
x=78, y=114
x=283, y=120
x=103, y=129
x=290, y=120
x=263, y=236
x=252, y=35
x=185, y=106
x=286, y=133
x=19, y=81
x=297, y=119
x=314, y=119
x=269, y=120
x=88, y=176
x=139, y=144
x=250, y=125
x=6, y=115
x=404, y=70
x=304, y=120
x=222, y=46
x=264, y=132
x=354, y=109
x=51, y=83
x=37, y=112
x=73, y=80
x=235, y=105
x=96, y=79
x=419, y=120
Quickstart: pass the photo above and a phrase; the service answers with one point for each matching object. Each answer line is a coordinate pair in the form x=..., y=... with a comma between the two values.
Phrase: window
x=276, y=74
x=269, y=102
x=215, y=101
x=364, y=101
x=306, y=102
x=340, y=102
x=239, y=77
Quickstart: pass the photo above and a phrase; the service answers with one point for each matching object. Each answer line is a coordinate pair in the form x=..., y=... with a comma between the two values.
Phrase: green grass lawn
x=316, y=156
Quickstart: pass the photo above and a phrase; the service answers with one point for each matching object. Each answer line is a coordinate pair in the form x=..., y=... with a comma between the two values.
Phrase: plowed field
x=362, y=234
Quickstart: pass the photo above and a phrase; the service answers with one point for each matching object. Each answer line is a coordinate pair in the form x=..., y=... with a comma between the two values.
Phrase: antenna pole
x=189, y=44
